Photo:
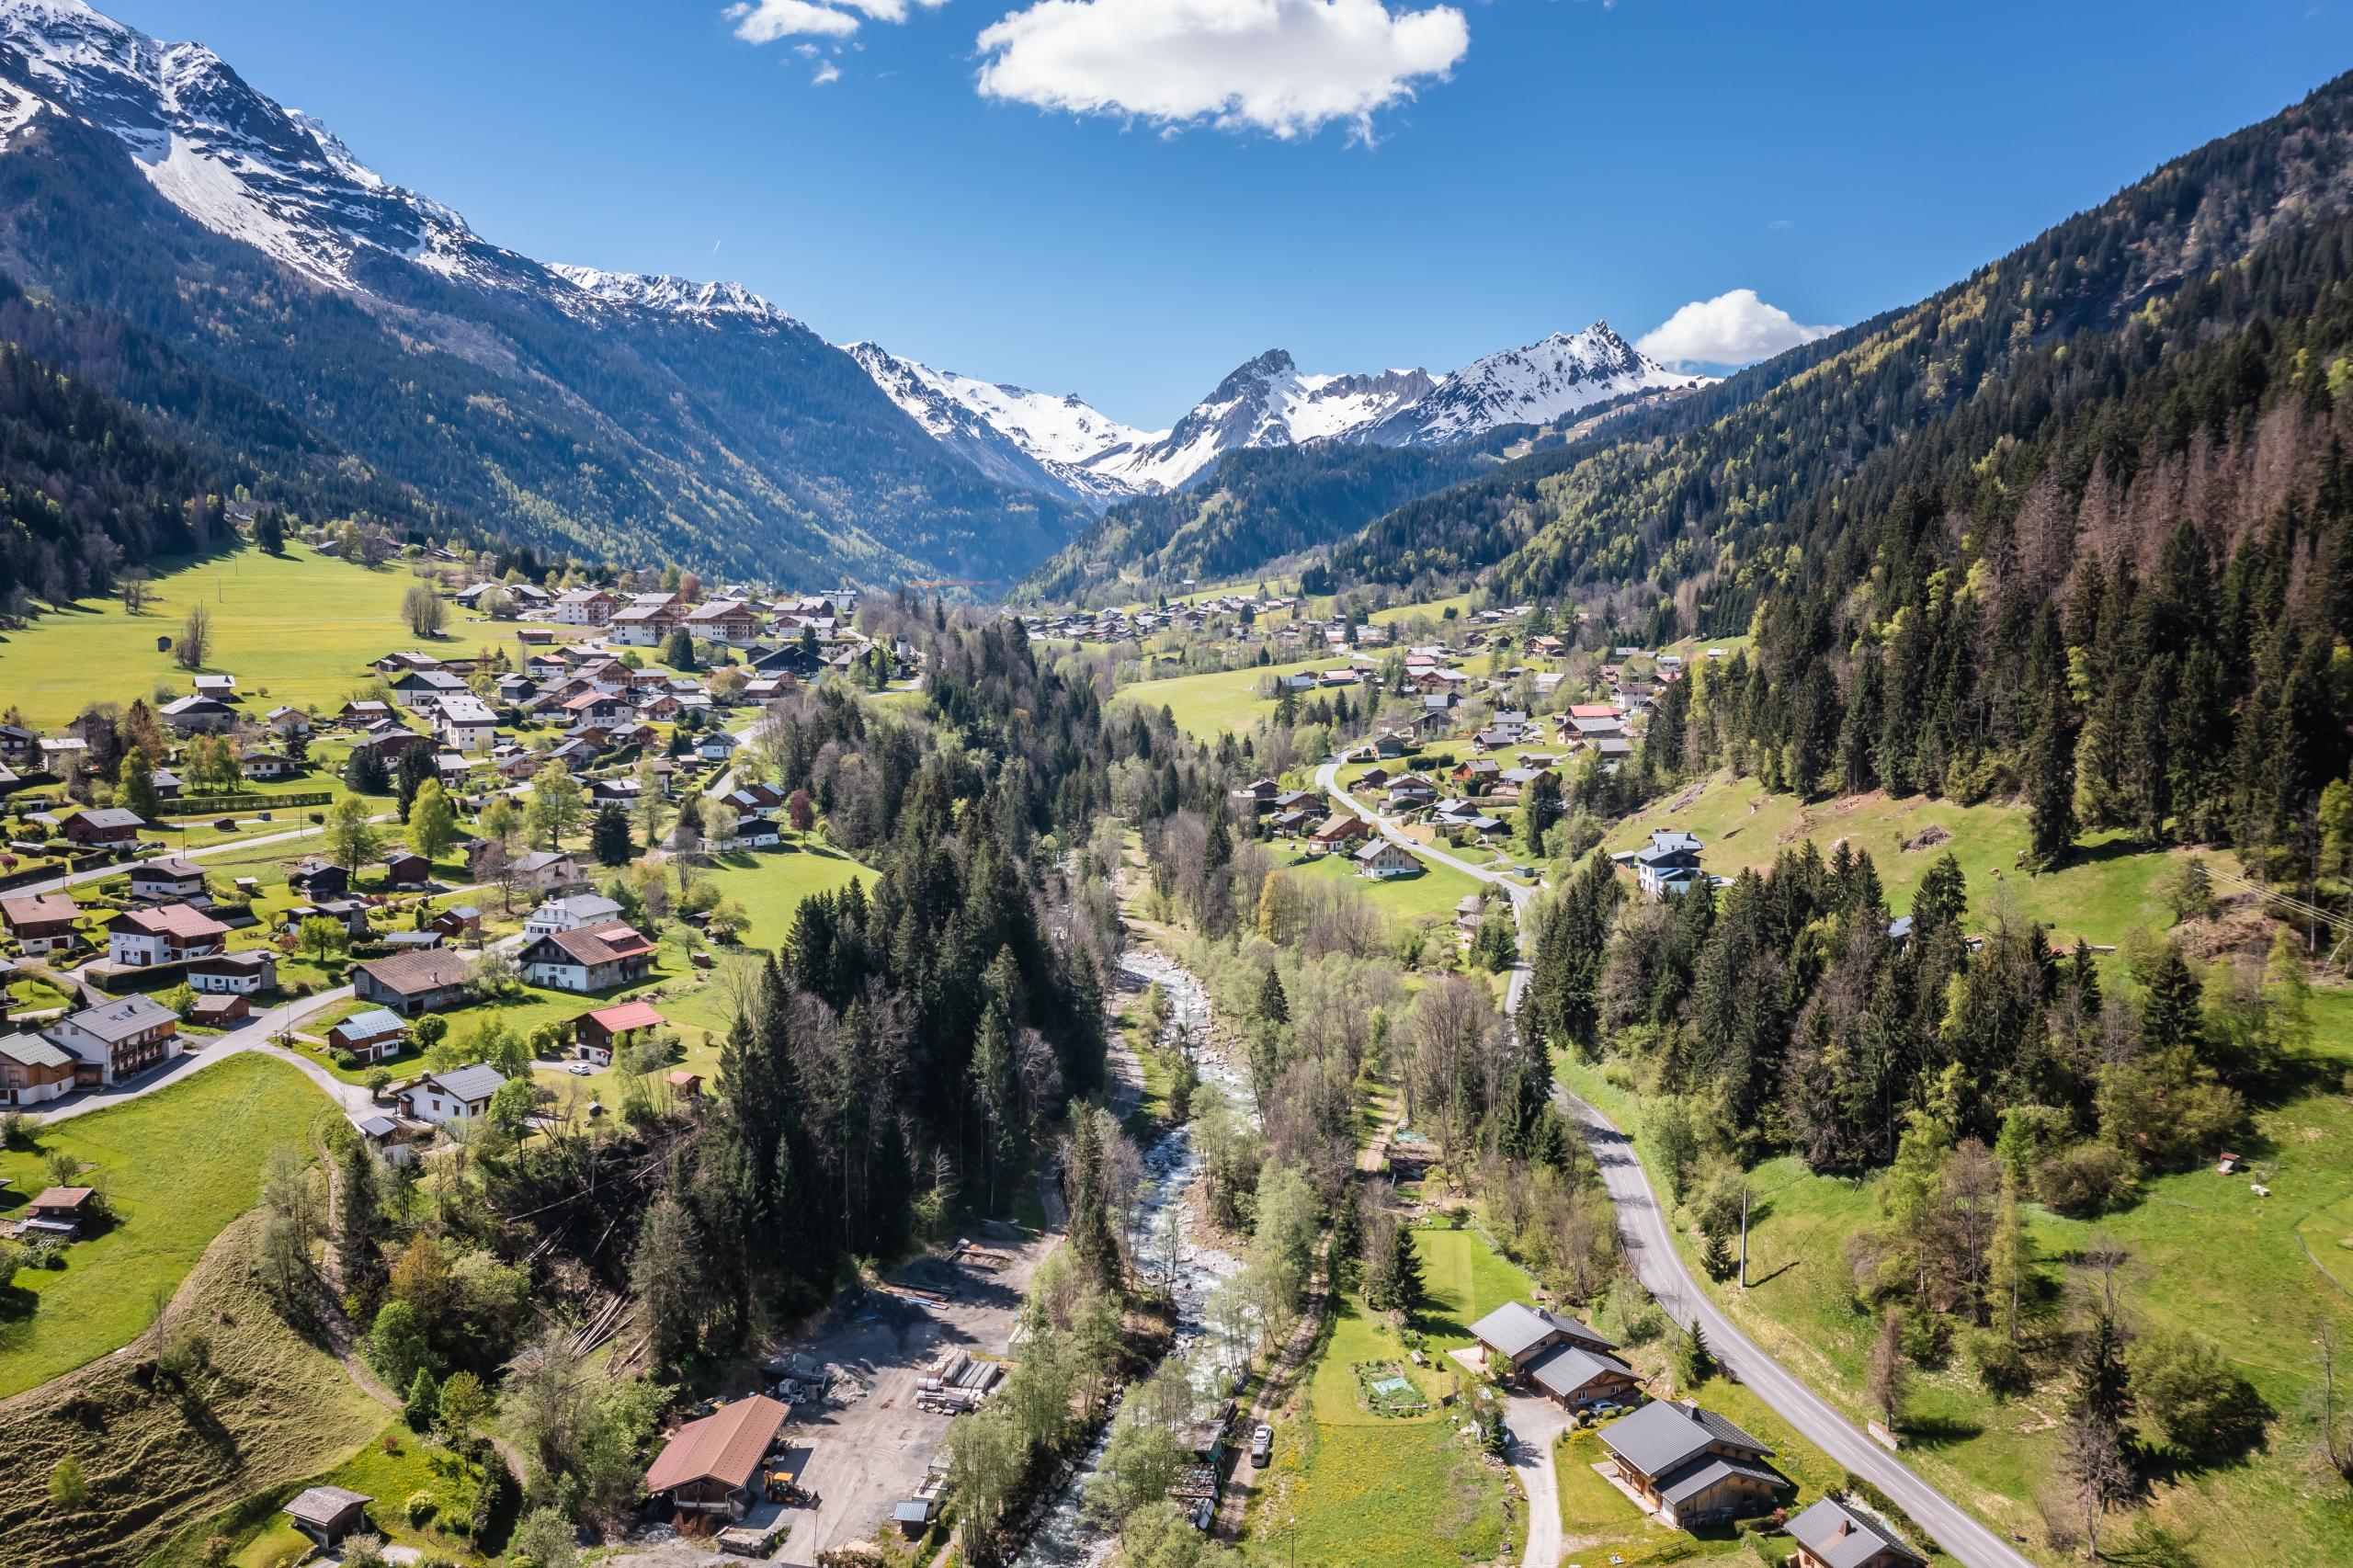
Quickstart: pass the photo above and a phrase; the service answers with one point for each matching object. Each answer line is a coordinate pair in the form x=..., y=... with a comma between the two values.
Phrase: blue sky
x=1577, y=160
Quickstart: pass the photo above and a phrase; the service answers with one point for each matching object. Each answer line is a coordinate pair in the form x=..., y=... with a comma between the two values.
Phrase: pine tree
x=2049, y=775
x=416, y=770
x=609, y=835
x=1717, y=1256
x=138, y=784
x=423, y=1401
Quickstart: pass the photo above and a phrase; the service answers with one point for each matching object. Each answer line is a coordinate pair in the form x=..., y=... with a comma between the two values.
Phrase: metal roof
x=1565, y=1369
x=1664, y=1433
x=478, y=1082
x=726, y=1446
x=1846, y=1538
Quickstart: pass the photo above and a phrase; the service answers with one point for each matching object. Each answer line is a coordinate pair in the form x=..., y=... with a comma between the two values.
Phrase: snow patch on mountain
x=662, y=292
x=1535, y=385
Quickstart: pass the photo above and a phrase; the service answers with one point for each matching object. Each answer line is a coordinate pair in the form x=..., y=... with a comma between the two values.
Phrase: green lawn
x=177, y=1166
x=1429, y=896
x=1207, y=706
x=299, y=629
x=2253, y=1275
x=1350, y=1476
x=391, y=1470
x=2109, y=887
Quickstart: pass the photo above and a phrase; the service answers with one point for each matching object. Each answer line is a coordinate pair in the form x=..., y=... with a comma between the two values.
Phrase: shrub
x=420, y=1508
x=1999, y=1364
x=2085, y=1179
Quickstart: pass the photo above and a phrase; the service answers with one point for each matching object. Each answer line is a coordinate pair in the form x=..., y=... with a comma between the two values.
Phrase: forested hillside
x=2087, y=506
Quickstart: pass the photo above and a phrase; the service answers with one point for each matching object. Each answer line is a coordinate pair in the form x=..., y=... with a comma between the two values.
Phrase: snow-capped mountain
x=1534, y=385
x=1007, y=432
x=1268, y=401
x=602, y=412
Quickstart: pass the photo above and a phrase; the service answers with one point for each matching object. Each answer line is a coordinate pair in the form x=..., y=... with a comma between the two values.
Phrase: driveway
x=1534, y=1422
x=258, y=1034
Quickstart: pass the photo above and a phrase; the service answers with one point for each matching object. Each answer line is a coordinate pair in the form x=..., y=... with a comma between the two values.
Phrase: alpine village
x=629, y=937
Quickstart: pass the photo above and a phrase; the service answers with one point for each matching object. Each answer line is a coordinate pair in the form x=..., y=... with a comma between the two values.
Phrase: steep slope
x=1257, y=506
x=1268, y=401
x=2079, y=526
x=1535, y=385
x=629, y=417
x=1013, y=435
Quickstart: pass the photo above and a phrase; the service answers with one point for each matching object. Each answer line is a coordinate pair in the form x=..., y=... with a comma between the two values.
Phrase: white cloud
x=765, y=21
x=828, y=72
x=1731, y=329
x=1285, y=66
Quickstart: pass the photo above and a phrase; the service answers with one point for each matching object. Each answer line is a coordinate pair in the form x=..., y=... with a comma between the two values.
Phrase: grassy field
x=2109, y=887
x=263, y=1409
x=1368, y=1488
x=395, y=1467
x=2254, y=1275
x=1207, y=706
x=299, y=629
x=1430, y=896
x=177, y=1166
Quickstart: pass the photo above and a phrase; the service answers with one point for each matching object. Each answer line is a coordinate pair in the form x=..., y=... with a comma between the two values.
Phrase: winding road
x=1641, y=1222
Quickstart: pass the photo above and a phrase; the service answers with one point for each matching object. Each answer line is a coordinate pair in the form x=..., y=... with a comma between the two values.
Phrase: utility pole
x=1743, y=1235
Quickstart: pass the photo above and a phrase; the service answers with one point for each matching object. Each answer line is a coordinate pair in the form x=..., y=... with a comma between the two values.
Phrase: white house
x=570, y=914
x=457, y=1095
x=234, y=974
x=465, y=725
x=115, y=1039
x=166, y=934
x=1382, y=859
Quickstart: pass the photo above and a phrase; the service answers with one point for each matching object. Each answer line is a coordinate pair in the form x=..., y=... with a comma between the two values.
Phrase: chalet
x=1691, y=1466
x=1291, y=824
x=245, y=974
x=546, y=870
x=360, y=715
x=405, y=868
x=61, y=1212
x=104, y=824
x=717, y=746
x=457, y=921
x=716, y=1466
x=723, y=620
x=389, y=742
x=585, y=607
x=198, y=715
x=1296, y=800
x=351, y=913
x=464, y=724
x=459, y=1095
x=221, y=689
x=419, y=687
x=1564, y=1358
x=594, y=958
x=264, y=767
x=642, y=626
x=1344, y=828
x=410, y=984
x=597, y=1035
x=1478, y=775
x=595, y=709
x=1259, y=794
x=41, y=924
x=574, y=914
x=404, y=662
x=377, y=1035
x=18, y=744
x=169, y=933
x=33, y=1070
x=1382, y=859
x=289, y=721
x=1831, y=1534
x=328, y=1514
x=117, y=1040
x=1669, y=865
x=316, y=879
x=169, y=879
x=1409, y=792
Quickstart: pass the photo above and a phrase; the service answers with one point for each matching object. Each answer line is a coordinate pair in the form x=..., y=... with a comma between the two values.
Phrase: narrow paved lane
x=1661, y=1269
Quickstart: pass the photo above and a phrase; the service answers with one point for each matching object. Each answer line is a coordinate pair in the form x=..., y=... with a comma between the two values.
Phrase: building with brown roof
x=41, y=924
x=597, y=958
x=410, y=984
x=714, y=1465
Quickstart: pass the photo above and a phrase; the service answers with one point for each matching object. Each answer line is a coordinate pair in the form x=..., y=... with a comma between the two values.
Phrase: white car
x=1262, y=1445
x=580, y=1070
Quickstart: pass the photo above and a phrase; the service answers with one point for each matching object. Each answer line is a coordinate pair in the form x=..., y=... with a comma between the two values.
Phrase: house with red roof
x=716, y=1465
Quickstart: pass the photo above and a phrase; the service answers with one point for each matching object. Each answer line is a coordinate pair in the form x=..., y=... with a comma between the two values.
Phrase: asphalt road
x=1660, y=1267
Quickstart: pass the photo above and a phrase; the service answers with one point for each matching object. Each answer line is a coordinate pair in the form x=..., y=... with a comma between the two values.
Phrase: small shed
x=328, y=1514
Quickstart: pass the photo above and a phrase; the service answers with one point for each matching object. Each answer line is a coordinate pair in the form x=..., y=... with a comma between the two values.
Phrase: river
x=1067, y=1538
